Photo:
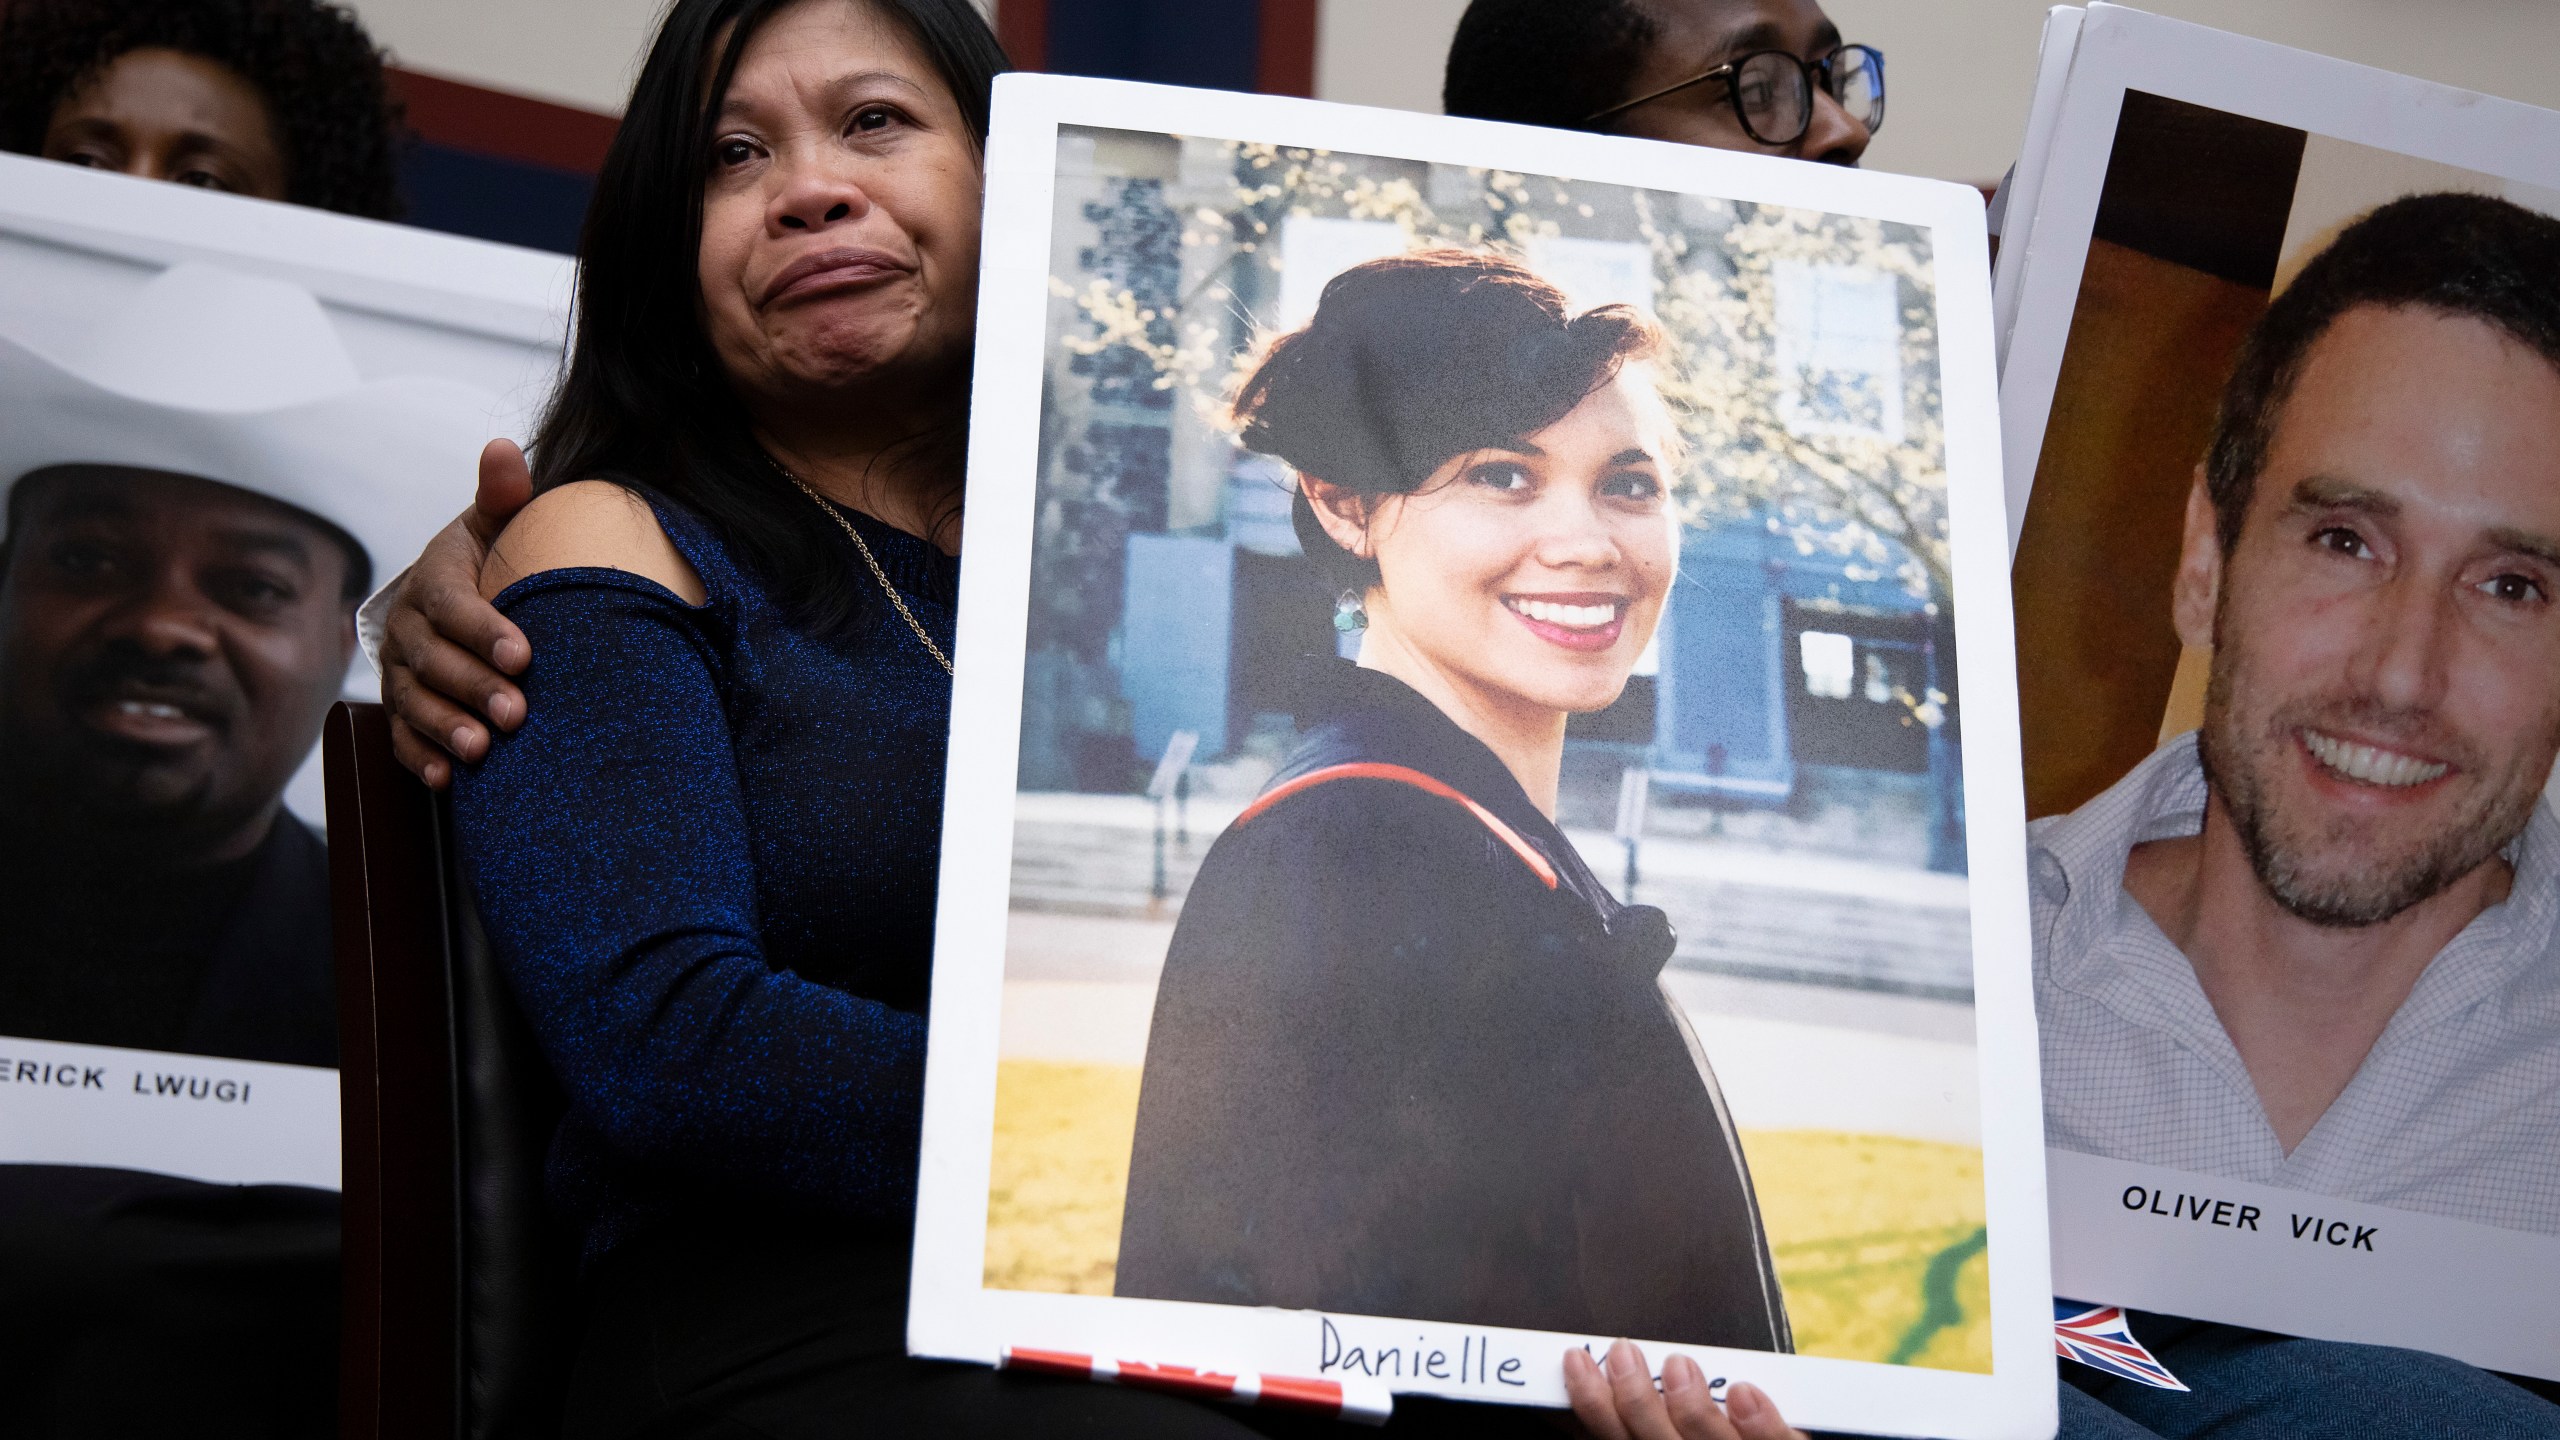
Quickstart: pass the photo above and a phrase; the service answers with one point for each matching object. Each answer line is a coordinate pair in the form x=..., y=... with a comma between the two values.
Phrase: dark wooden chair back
x=459, y=1290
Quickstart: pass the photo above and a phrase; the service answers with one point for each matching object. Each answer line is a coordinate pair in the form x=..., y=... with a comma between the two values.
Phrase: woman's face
x=840, y=214
x=1529, y=576
x=166, y=115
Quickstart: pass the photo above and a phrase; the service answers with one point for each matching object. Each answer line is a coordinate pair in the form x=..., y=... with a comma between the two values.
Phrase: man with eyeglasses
x=1769, y=76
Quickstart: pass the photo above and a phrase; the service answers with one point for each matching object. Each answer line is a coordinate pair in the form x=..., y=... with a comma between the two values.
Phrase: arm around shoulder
x=588, y=524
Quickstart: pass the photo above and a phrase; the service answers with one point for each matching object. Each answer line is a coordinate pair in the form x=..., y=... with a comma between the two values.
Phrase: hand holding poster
x=2282, y=400
x=1368, y=1074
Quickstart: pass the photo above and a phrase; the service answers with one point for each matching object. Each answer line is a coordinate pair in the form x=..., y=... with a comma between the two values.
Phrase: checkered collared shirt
x=2455, y=1112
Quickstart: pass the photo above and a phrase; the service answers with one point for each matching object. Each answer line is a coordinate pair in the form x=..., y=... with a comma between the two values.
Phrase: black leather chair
x=459, y=1291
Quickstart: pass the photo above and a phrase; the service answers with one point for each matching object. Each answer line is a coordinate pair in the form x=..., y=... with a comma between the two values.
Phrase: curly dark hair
x=2472, y=256
x=1416, y=358
x=320, y=73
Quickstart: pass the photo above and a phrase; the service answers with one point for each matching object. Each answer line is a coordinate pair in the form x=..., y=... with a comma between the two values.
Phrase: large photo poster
x=1460, y=699
x=222, y=421
x=2280, y=401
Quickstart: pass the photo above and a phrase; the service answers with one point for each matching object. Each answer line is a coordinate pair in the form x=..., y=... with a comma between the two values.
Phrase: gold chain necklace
x=868, y=559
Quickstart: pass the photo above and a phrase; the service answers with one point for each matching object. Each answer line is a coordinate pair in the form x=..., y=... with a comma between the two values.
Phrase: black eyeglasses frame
x=1817, y=75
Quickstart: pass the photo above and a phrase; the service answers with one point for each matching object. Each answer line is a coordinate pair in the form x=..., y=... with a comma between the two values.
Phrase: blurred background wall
x=514, y=98
x=1960, y=70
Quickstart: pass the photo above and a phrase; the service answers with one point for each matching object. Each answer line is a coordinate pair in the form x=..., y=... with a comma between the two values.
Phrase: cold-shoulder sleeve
x=606, y=845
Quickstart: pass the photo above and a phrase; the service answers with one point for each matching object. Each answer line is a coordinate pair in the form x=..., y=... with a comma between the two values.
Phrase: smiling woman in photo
x=1409, y=1056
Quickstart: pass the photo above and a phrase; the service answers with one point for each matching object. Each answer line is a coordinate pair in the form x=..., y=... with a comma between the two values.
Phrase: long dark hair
x=644, y=401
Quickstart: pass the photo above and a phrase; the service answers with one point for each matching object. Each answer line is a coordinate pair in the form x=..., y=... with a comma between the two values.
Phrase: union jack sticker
x=2097, y=1336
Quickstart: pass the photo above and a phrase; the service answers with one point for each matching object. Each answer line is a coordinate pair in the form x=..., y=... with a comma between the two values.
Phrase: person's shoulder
x=589, y=524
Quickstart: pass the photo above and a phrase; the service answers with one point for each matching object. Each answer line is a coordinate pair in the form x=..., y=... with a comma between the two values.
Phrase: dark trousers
x=798, y=1334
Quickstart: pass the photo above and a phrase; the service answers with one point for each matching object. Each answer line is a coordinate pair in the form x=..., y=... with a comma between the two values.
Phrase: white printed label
x=2150, y=1238
x=231, y=1122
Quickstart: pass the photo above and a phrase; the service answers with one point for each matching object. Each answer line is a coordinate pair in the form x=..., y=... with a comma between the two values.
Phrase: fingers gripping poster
x=1479, y=652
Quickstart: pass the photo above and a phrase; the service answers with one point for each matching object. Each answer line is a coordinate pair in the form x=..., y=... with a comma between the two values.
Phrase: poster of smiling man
x=1459, y=694
x=221, y=421
x=2285, y=380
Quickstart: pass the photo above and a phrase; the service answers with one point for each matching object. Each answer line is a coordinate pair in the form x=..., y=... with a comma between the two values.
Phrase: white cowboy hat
x=244, y=380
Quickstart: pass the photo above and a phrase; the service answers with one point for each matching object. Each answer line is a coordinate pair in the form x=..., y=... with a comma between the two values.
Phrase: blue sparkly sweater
x=706, y=862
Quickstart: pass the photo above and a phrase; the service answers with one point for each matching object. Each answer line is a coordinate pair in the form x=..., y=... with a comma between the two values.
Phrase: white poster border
x=502, y=291
x=951, y=1314
x=2035, y=154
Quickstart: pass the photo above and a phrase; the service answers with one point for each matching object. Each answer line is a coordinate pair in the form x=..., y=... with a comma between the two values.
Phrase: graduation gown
x=1410, y=1058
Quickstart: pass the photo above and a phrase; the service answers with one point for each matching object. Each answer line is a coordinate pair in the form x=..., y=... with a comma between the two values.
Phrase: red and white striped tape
x=1365, y=1404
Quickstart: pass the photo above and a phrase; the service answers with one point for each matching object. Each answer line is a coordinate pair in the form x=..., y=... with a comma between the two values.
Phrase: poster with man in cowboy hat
x=198, y=491
x=220, y=421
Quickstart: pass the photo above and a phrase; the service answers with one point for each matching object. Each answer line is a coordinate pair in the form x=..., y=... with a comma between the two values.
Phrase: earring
x=1347, y=614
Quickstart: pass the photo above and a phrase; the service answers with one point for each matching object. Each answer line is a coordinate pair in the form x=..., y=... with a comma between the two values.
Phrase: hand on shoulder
x=588, y=524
